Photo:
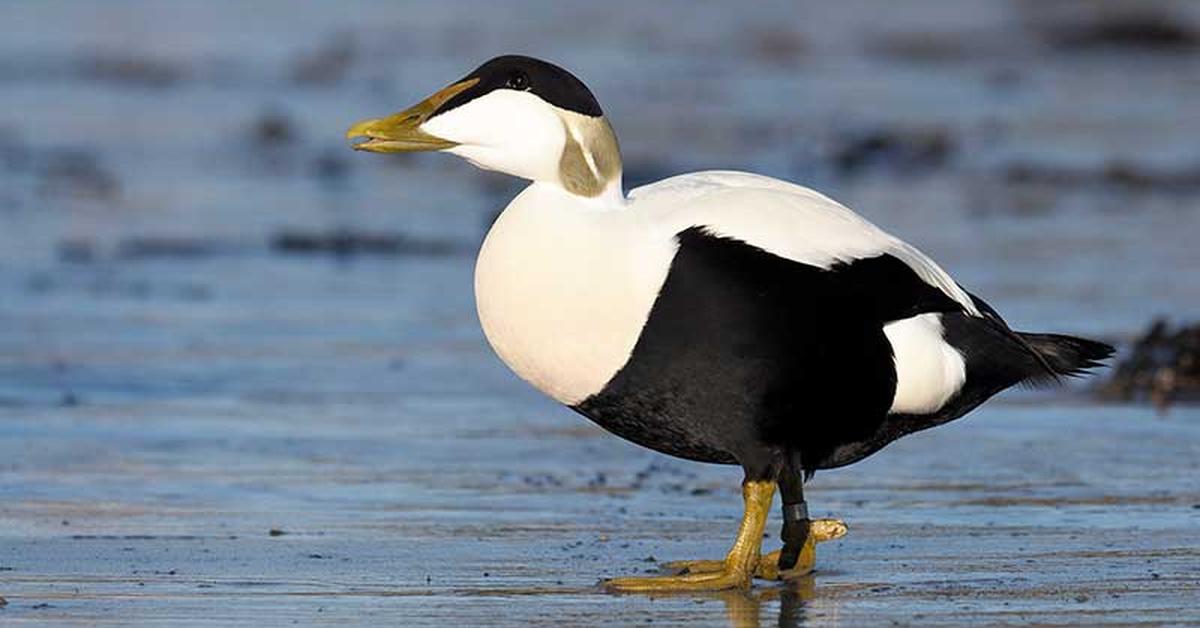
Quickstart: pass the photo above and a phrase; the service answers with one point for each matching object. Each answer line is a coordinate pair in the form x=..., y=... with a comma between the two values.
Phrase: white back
x=788, y=220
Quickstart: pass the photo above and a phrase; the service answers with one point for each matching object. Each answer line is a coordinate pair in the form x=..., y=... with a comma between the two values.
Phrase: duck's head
x=514, y=114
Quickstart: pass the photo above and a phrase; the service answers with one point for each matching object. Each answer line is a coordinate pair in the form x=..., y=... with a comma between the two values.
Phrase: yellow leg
x=768, y=566
x=738, y=567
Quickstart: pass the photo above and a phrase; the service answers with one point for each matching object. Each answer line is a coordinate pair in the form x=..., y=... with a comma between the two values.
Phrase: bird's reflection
x=745, y=609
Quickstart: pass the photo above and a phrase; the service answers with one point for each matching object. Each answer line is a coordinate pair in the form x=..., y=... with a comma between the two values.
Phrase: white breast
x=563, y=290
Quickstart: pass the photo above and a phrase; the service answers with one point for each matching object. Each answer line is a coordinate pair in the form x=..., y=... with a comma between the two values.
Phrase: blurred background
x=216, y=320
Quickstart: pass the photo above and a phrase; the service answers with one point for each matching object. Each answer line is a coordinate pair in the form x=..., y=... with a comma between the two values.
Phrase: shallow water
x=173, y=386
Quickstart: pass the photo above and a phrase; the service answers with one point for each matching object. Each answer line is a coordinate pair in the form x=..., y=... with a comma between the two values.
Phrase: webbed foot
x=768, y=565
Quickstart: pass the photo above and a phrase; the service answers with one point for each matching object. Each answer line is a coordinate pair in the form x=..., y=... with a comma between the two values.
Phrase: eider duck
x=719, y=316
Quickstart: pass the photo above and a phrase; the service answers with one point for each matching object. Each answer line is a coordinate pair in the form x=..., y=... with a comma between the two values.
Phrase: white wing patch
x=928, y=370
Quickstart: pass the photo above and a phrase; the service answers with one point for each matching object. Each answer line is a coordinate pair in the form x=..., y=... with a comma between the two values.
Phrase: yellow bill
x=401, y=132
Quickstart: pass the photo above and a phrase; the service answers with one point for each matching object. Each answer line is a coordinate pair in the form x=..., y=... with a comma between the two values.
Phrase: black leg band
x=795, y=512
x=795, y=535
x=796, y=524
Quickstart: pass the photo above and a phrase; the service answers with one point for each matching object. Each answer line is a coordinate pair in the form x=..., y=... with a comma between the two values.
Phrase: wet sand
x=242, y=381
x=333, y=471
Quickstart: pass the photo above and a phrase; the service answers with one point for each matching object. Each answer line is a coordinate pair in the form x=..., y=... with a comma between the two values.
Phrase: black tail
x=1000, y=357
x=996, y=358
x=1067, y=355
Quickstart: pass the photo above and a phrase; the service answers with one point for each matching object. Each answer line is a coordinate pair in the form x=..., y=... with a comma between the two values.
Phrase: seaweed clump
x=1162, y=368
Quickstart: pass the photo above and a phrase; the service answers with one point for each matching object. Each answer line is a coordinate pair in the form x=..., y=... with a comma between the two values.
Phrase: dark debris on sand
x=1163, y=367
x=1120, y=174
x=1141, y=29
x=779, y=46
x=344, y=242
x=130, y=69
x=327, y=65
x=170, y=247
x=274, y=128
x=894, y=150
x=77, y=173
x=146, y=247
x=925, y=47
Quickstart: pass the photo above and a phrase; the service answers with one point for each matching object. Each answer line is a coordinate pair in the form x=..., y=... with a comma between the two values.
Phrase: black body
x=749, y=358
x=552, y=83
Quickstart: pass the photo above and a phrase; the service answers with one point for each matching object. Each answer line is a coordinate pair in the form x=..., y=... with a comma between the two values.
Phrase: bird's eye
x=518, y=80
